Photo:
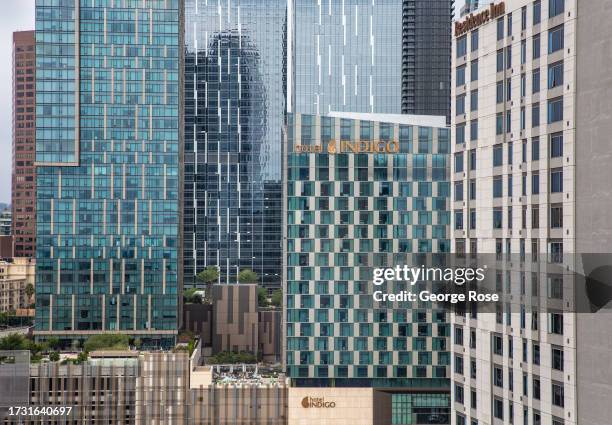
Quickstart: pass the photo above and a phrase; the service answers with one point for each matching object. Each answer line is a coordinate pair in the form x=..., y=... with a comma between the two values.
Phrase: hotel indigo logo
x=346, y=146
x=317, y=402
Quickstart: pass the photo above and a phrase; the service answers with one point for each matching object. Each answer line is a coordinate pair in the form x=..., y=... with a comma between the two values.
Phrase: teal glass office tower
x=108, y=144
x=347, y=213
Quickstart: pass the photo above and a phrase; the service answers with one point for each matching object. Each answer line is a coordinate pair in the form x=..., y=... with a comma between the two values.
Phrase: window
x=535, y=115
x=557, y=358
x=556, y=180
x=498, y=408
x=500, y=29
x=524, y=185
x=555, y=7
x=458, y=335
x=535, y=149
x=460, y=75
x=555, y=39
x=498, y=376
x=499, y=92
x=499, y=123
x=523, y=85
x=535, y=80
x=473, y=402
x=498, y=155
x=558, y=397
x=555, y=110
x=508, y=89
x=458, y=220
x=497, y=187
x=535, y=217
x=460, y=419
x=510, y=153
x=498, y=344
x=460, y=133
x=555, y=75
x=537, y=12
x=536, y=388
x=460, y=104
x=509, y=24
x=458, y=364
x=497, y=218
x=556, y=216
x=555, y=323
x=472, y=160
x=459, y=191
x=555, y=288
x=535, y=183
x=474, y=70
x=508, y=57
x=537, y=419
x=523, y=18
x=459, y=162
x=535, y=44
x=474, y=100
x=556, y=145
x=522, y=118
x=472, y=218
x=557, y=421
x=474, y=40
x=535, y=354
x=523, y=52
x=524, y=151
x=508, y=122
x=462, y=46
x=500, y=60
x=510, y=186
x=474, y=130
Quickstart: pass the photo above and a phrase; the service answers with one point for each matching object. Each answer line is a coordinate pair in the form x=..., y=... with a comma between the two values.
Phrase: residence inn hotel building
x=364, y=191
x=530, y=179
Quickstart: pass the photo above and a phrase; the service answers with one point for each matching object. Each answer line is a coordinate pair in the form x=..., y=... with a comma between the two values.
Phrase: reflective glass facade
x=346, y=56
x=234, y=113
x=346, y=214
x=108, y=193
x=426, y=52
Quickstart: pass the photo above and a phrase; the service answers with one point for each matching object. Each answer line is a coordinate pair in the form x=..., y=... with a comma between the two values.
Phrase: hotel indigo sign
x=317, y=402
x=346, y=146
x=480, y=18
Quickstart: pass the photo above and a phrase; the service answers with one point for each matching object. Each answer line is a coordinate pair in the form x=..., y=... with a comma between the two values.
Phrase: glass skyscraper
x=384, y=56
x=426, y=53
x=234, y=113
x=348, y=213
x=107, y=150
x=345, y=56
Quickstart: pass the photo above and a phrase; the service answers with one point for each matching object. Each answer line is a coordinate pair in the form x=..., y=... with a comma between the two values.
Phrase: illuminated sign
x=317, y=402
x=480, y=18
x=346, y=146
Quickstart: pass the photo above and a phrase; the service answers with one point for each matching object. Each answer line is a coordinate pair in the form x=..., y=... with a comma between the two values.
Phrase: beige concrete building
x=530, y=114
x=15, y=275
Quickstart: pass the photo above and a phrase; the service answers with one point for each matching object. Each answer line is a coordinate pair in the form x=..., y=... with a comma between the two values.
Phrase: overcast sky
x=18, y=15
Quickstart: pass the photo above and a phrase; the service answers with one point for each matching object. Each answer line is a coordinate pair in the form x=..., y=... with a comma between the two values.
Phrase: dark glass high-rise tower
x=234, y=112
x=426, y=55
x=107, y=151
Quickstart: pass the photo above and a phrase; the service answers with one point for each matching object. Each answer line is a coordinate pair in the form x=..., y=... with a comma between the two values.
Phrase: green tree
x=247, y=276
x=190, y=296
x=277, y=298
x=106, y=342
x=208, y=276
x=54, y=356
x=29, y=290
x=14, y=342
x=53, y=342
x=262, y=297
